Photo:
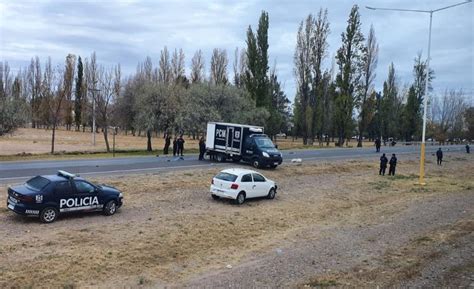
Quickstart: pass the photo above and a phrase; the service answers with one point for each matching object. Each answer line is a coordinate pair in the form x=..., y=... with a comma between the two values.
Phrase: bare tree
x=109, y=88
x=197, y=67
x=447, y=114
x=177, y=66
x=164, y=70
x=54, y=95
x=369, y=64
x=219, y=63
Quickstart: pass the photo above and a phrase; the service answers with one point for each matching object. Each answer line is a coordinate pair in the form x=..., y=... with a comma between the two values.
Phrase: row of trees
x=335, y=102
x=347, y=104
x=156, y=98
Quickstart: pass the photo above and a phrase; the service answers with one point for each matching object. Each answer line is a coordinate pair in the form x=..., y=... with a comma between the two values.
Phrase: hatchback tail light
x=234, y=186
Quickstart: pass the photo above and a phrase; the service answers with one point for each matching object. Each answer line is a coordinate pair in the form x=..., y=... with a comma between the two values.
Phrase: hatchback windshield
x=37, y=183
x=226, y=177
x=264, y=143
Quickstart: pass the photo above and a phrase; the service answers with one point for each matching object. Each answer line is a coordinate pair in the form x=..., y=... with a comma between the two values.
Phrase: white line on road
x=122, y=171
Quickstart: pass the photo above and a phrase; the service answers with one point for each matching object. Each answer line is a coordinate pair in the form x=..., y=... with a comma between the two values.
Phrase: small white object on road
x=229, y=266
x=296, y=160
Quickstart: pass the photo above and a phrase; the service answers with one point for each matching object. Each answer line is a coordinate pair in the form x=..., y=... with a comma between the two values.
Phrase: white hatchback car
x=241, y=184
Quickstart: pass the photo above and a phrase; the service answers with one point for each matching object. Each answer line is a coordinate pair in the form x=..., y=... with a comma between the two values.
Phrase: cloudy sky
x=126, y=32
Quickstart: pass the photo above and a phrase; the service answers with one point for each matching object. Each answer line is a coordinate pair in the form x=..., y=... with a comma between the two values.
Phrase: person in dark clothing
x=377, y=145
x=468, y=149
x=167, y=144
x=393, y=165
x=202, y=148
x=383, y=165
x=439, y=156
x=180, y=143
x=175, y=146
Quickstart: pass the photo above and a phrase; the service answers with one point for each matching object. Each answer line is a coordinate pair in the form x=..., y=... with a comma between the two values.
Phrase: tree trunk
x=148, y=142
x=106, y=139
x=52, y=138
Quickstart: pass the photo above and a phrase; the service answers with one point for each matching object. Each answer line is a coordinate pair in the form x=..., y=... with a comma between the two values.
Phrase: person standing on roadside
x=377, y=145
x=167, y=143
x=468, y=149
x=439, y=156
x=202, y=148
x=175, y=146
x=383, y=164
x=180, y=143
x=393, y=165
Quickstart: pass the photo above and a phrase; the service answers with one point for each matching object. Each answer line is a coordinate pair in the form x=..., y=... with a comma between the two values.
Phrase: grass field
x=28, y=143
x=171, y=231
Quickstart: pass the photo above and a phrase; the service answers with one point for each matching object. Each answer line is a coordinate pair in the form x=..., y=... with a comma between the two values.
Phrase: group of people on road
x=178, y=146
x=383, y=165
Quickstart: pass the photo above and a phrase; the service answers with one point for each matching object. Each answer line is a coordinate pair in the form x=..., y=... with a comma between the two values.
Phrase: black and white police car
x=48, y=196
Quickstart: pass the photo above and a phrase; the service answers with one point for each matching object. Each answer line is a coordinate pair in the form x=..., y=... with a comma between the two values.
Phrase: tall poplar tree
x=349, y=62
x=78, y=94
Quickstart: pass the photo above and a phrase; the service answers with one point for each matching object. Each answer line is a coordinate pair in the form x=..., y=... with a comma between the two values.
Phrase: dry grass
x=170, y=229
x=26, y=141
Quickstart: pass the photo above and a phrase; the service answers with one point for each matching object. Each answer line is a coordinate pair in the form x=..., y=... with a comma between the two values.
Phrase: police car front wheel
x=48, y=215
x=110, y=208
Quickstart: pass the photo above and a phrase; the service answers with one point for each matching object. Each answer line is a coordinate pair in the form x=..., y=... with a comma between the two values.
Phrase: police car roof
x=59, y=178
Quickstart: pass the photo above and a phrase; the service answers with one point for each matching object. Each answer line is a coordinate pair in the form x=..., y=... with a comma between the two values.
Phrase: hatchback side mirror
x=276, y=146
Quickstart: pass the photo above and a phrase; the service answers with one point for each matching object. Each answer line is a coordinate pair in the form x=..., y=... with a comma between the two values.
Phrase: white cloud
x=127, y=31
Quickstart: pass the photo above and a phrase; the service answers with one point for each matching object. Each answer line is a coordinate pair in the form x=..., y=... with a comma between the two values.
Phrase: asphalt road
x=21, y=170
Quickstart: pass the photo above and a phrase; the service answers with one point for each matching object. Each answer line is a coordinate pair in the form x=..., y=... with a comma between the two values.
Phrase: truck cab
x=260, y=151
x=241, y=142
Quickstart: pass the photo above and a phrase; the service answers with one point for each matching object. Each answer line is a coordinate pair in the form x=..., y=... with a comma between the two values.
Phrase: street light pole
x=425, y=99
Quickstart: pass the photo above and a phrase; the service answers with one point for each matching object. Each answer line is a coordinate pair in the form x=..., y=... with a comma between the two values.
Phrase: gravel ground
x=324, y=250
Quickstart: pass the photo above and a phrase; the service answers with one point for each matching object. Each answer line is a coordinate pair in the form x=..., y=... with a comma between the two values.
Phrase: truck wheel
x=240, y=198
x=48, y=215
x=221, y=158
x=271, y=194
x=236, y=159
x=110, y=208
x=273, y=166
x=256, y=163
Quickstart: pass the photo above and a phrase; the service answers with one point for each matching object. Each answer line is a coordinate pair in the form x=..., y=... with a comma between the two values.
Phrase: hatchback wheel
x=271, y=194
x=240, y=199
x=48, y=215
x=110, y=208
x=215, y=197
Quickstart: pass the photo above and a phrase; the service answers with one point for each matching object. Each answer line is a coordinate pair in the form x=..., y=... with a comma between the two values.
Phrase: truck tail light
x=234, y=186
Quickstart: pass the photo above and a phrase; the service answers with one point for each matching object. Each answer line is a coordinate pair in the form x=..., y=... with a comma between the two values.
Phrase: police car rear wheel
x=110, y=208
x=48, y=215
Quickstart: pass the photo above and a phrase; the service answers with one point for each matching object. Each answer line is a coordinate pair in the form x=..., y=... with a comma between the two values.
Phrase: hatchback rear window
x=226, y=177
x=37, y=183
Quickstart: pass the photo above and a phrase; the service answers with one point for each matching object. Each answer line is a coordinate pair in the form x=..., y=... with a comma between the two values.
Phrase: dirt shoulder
x=329, y=224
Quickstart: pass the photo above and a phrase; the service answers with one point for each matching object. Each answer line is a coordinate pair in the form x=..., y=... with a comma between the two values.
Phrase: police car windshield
x=37, y=183
x=226, y=177
x=264, y=143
